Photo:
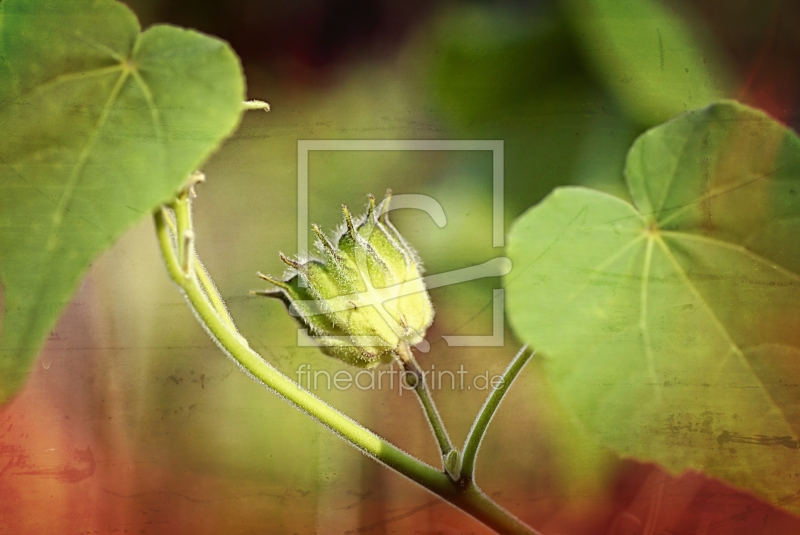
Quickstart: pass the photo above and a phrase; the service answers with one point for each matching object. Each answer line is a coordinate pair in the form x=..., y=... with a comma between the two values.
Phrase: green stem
x=472, y=500
x=213, y=294
x=486, y=413
x=466, y=497
x=183, y=235
x=204, y=278
x=420, y=386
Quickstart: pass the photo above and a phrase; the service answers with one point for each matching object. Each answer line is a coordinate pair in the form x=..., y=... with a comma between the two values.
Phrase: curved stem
x=202, y=275
x=420, y=386
x=213, y=294
x=466, y=497
x=270, y=377
x=478, y=430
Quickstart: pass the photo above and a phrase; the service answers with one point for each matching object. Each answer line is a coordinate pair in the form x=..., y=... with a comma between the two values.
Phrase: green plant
x=456, y=486
x=667, y=324
x=670, y=322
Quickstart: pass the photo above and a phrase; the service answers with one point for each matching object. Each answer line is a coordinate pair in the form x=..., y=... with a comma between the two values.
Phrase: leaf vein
x=154, y=115
x=602, y=265
x=681, y=208
x=672, y=175
x=69, y=189
x=70, y=77
x=734, y=247
x=733, y=346
x=643, y=326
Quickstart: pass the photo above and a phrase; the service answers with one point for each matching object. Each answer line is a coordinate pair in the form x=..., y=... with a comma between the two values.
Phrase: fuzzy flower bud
x=364, y=296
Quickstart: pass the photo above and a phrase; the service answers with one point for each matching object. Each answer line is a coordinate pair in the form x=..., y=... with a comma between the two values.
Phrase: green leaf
x=650, y=59
x=671, y=326
x=101, y=124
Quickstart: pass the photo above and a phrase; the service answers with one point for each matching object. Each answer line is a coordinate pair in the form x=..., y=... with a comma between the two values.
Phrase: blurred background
x=134, y=422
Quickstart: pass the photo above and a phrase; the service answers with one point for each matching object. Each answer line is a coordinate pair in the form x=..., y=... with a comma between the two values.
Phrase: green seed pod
x=364, y=296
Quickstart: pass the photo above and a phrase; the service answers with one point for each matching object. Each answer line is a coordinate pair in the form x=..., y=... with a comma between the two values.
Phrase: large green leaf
x=648, y=57
x=100, y=124
x=671, y=327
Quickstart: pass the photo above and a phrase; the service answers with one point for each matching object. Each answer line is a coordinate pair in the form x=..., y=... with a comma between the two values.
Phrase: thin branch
x=481, y=423
x=420, y=386
x=213, y=293
x=183, y=218
x=202, y=274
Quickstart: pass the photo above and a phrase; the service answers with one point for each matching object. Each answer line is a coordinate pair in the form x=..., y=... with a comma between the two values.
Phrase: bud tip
x=289, y=262
x=349, y=220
